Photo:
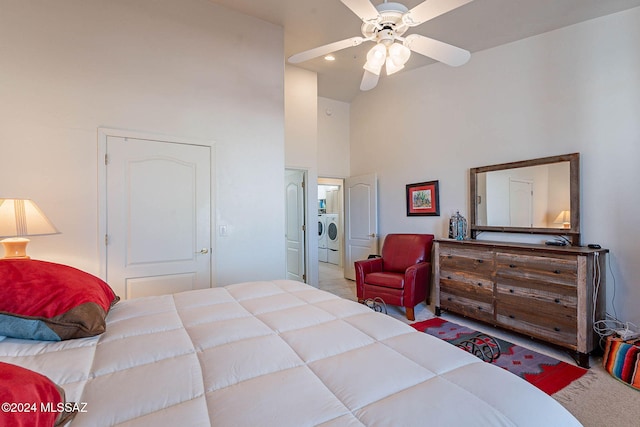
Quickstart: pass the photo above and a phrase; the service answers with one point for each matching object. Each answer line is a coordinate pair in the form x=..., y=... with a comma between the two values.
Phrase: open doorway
x=330, y=232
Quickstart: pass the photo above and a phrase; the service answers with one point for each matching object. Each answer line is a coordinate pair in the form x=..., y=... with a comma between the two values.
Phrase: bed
x=274, y=353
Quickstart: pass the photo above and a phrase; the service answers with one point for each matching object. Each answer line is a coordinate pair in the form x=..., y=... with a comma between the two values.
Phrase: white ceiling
x=476, y=26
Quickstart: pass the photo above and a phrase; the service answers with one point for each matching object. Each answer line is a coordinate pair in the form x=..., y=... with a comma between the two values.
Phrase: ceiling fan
x=385, y=25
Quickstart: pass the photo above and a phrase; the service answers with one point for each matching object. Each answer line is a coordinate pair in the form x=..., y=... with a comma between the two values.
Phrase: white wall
x=333, y=138
x=184, y=69
x=316, y=142
x=301, y=148
x=576, y=89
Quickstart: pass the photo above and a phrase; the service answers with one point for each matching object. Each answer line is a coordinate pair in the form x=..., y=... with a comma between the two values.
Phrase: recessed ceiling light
x=330, y=58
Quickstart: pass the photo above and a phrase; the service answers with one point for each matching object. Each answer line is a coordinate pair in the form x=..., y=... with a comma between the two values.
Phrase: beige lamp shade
x=20, y=218
x=563, y=218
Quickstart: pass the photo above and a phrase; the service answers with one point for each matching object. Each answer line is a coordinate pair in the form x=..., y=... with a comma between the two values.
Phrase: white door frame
x=103, y=133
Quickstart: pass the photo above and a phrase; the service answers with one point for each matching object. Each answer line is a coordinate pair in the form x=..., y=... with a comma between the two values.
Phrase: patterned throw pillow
x=42, y=300
x=622, y=360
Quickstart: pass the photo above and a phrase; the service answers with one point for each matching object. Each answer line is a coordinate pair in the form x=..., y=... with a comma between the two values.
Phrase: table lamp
x=20, y=218
x=563, y=218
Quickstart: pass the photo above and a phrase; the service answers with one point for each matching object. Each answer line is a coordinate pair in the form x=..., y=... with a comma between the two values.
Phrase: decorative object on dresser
x=457, y=227
x=401, y=276
x=552, y=293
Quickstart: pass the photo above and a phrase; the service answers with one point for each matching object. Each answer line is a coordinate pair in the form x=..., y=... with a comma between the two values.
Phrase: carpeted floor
x=596, y=400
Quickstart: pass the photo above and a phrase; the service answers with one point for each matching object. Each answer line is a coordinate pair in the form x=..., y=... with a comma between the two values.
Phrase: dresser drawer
x=560, y=270
x=477, y=308
x=548, y=313
x=553, y=295
x=468, y=260
x=560, y=329
x=470, y=282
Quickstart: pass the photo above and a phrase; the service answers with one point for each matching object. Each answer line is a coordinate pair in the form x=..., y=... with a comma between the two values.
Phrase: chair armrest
x=363, y=268
x=417, y=279
x=366, y=266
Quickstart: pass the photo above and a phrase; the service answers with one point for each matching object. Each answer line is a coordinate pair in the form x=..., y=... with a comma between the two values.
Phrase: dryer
x=333, y=238
x=322, y=238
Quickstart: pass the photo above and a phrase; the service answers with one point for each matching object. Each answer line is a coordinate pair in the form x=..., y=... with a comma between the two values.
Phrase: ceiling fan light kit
x=385, y=24
x=398, y=56
x=375, y=59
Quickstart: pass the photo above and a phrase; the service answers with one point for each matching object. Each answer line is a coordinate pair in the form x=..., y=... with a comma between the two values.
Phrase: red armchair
x=402, y=276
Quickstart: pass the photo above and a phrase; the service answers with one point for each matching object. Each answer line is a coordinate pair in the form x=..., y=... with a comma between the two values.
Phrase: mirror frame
x=573, y=233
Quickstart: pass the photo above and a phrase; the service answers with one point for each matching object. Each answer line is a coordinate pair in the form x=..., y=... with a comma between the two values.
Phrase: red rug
x=548, y=374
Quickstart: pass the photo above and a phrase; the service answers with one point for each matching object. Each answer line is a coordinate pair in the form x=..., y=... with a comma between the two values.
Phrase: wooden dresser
x=546, y=292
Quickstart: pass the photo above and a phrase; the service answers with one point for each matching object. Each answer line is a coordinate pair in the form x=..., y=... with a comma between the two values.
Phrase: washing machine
x=323, y=250
x=333, y=238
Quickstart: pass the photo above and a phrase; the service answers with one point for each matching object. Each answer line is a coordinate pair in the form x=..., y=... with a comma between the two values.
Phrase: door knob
x=203, y=251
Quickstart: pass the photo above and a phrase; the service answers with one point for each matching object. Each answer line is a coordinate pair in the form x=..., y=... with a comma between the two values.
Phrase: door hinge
x=302, y=184
x=304, y=227
x=106, y=239
x=106, y=159
x=304, y=278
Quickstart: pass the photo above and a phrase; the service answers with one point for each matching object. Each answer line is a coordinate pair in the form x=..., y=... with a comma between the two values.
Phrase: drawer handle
x=557, y=271
x=511, y=290
x=480, y=284
x=556, y=329
x=512, y=266
x=480, y=261
x=511, y=316
x=449, y=299
x=557, y=300
x=449, y=256
x=479, y=308
x=449, y=277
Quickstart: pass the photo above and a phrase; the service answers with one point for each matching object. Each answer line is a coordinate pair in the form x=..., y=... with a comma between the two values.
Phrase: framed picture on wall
x=423, y=199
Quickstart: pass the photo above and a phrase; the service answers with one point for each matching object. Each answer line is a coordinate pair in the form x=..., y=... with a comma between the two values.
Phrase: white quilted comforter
x=277, y=353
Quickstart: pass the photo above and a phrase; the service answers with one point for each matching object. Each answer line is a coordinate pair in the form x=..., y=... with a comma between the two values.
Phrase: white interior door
x=294, y=224
x=361, y=220
x=520, y=203
x=158, y=219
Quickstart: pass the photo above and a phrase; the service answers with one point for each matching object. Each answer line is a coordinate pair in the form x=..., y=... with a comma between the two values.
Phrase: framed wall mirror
x=538, y=196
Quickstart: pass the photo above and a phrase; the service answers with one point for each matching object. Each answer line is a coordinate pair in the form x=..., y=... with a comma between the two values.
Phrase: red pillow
x=30, y=399
x=42, y=300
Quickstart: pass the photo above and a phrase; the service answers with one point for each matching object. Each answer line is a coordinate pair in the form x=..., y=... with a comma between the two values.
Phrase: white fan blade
x=440, y=51
x=429, y=9
x=363, y=8
x=326, y=49
x=369, y=80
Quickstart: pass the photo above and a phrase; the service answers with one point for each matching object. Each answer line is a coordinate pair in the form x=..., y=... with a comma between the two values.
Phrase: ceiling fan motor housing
x=388, y=21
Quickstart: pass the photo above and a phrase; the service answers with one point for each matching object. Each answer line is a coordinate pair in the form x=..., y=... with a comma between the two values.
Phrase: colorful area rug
x=548, y=374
